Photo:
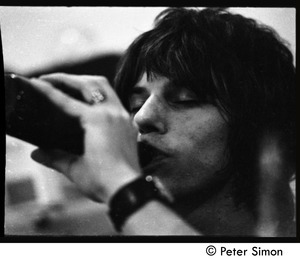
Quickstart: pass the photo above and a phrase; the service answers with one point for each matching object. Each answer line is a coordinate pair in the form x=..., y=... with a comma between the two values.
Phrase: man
x=211, y=102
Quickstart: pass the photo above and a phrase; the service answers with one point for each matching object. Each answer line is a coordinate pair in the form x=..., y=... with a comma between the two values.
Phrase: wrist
x=119, y=178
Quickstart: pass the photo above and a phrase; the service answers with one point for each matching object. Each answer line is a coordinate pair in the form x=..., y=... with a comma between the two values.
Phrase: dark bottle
x=31, y=117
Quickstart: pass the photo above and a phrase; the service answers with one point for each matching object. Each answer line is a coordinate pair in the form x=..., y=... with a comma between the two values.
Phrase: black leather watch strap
x=133, y=196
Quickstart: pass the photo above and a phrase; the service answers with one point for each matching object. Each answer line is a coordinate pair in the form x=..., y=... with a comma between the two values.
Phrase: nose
x=151, y=117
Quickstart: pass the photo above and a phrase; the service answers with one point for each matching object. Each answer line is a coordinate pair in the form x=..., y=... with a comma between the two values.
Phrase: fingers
x=55, y=159
x=70, y=84
x=87, y=85
x=63, y=101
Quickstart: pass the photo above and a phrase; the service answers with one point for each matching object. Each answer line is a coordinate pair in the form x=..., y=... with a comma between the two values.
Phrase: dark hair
x=241, y=66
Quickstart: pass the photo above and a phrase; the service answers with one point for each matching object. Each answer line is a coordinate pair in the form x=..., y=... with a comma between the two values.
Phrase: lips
x=150, y=155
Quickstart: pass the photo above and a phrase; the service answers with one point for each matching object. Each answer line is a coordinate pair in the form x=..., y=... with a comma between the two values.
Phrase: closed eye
x=134, y=110
x=188, y=103
x=136, y=105
x=185, y=101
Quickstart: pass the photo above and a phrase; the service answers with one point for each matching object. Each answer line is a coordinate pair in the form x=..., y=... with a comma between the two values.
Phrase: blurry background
x=79, y=40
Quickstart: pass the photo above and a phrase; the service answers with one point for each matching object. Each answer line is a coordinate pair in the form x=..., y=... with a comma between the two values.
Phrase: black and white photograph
x=149, y=121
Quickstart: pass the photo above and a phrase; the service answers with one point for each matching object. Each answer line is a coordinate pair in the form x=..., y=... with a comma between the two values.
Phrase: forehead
x=149, y=80
x=154, y=83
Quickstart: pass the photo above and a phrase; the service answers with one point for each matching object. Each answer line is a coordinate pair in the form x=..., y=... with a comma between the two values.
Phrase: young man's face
x=189, y=138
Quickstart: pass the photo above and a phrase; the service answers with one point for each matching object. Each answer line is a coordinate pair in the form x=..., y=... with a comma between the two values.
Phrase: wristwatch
x=133, y=196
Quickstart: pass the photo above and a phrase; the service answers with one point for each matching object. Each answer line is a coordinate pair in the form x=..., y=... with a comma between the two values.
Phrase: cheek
x=202, y=138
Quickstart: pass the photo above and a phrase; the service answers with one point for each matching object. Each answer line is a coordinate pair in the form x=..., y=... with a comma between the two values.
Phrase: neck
x=217, y=214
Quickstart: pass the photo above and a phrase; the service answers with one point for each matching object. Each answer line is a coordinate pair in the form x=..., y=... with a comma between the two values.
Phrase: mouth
x=150, y=156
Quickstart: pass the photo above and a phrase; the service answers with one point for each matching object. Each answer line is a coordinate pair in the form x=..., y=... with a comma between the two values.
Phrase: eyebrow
x=137, y=90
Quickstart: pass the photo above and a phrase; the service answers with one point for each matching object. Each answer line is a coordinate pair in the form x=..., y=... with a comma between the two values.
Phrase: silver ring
x=97, y=97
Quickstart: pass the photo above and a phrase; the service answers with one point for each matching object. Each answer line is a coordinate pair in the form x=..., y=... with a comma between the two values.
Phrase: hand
x=110, y=159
